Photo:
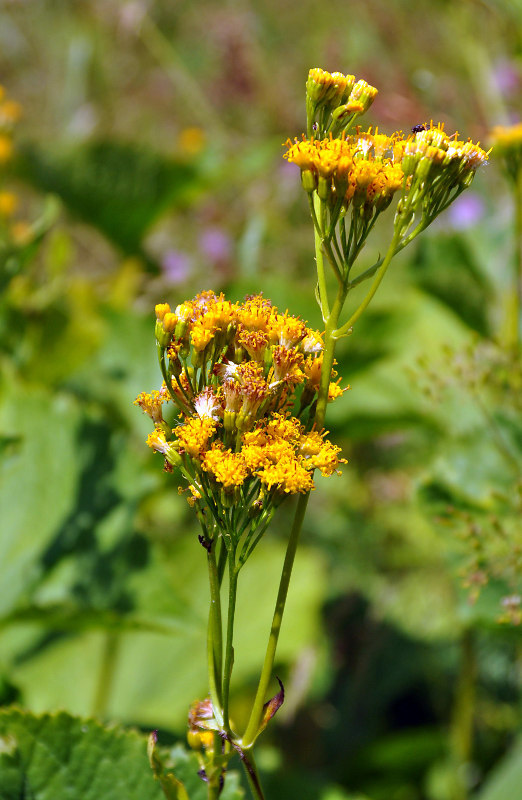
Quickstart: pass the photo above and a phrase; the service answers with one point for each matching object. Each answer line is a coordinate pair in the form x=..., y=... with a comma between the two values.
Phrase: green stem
x=229, y=649
x=461, y=738
x=328, y=357
x=252, y=728
x=222, y=560
x=213, y=785
x=111, y=648
x=518, y=261
x=345, y=329
x=252, y=775
x=215, y=640
x=315, y=204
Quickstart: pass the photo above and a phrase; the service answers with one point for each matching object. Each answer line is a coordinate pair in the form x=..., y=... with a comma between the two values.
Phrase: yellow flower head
x=6, y=148
x=194, y=436
x=287, y=476
x=8, y=204
x=505, y=138
x=151, y=402
x=323, y=86
x=226, y=467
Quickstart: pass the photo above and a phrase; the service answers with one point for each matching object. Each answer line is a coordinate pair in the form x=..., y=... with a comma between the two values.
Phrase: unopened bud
x=161, y=309
x=163, y=337
x=324, y=188
x=308, y=180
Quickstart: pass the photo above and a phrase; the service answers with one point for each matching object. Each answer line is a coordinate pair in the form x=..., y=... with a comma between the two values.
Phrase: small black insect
x=418, y=128
x=205, y=543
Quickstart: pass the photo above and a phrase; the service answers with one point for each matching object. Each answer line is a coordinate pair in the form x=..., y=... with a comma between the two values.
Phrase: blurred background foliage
x=147, y=166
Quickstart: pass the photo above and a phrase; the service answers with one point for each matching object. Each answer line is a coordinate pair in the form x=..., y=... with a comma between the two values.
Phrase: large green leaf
x=38, y=482
x=447, y=268
x=119, y=188
x=59, y=757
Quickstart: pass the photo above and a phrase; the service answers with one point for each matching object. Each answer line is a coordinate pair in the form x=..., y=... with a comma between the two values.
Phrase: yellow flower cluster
x=361, y=168
x=507, y=143
x=431, y=152
x=245, y=378
x=368, y=168
x=9, y=115
x=336, y=90
x=507, y=137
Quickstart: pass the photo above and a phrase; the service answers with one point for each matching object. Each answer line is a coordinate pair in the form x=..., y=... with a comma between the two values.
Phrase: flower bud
x=324, y=188
x=308, y=180
x=161, y=309
x=363, y=94
x=163, y=337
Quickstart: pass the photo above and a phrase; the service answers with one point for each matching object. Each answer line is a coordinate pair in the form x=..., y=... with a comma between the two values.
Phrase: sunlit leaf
x=59, y=757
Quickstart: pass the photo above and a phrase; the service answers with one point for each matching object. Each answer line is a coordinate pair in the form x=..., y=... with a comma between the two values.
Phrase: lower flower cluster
x=244, y=379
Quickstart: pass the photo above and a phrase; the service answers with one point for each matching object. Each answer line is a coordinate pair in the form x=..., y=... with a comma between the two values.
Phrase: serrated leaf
x=60, y=757
x=184, y=765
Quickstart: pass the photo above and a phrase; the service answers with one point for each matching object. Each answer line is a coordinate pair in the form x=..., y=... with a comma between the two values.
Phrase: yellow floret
x=288, y=476
x=195, y=434
x=226, y=467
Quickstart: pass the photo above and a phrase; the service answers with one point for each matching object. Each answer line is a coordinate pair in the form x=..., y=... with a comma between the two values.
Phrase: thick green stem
x=321, y=274
x=111, y=649
x=328, y=357
x=462, y=725
x=215, y=640
x=214, y=775
x=229, y=649
x=252, y=728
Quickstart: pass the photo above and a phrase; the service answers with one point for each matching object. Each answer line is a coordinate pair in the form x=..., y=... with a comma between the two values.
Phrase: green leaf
x=157, y=676
x=446, y=268
x=14, y=258
x=67, y=617
x=59, y=757
x=119, y=188
x=183, y=766
x=38, y=482
x=506, y=779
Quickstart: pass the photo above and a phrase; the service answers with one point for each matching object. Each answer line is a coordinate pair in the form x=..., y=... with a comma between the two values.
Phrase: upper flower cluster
x=245, y=378
x=344, y=169
x=368, y=168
